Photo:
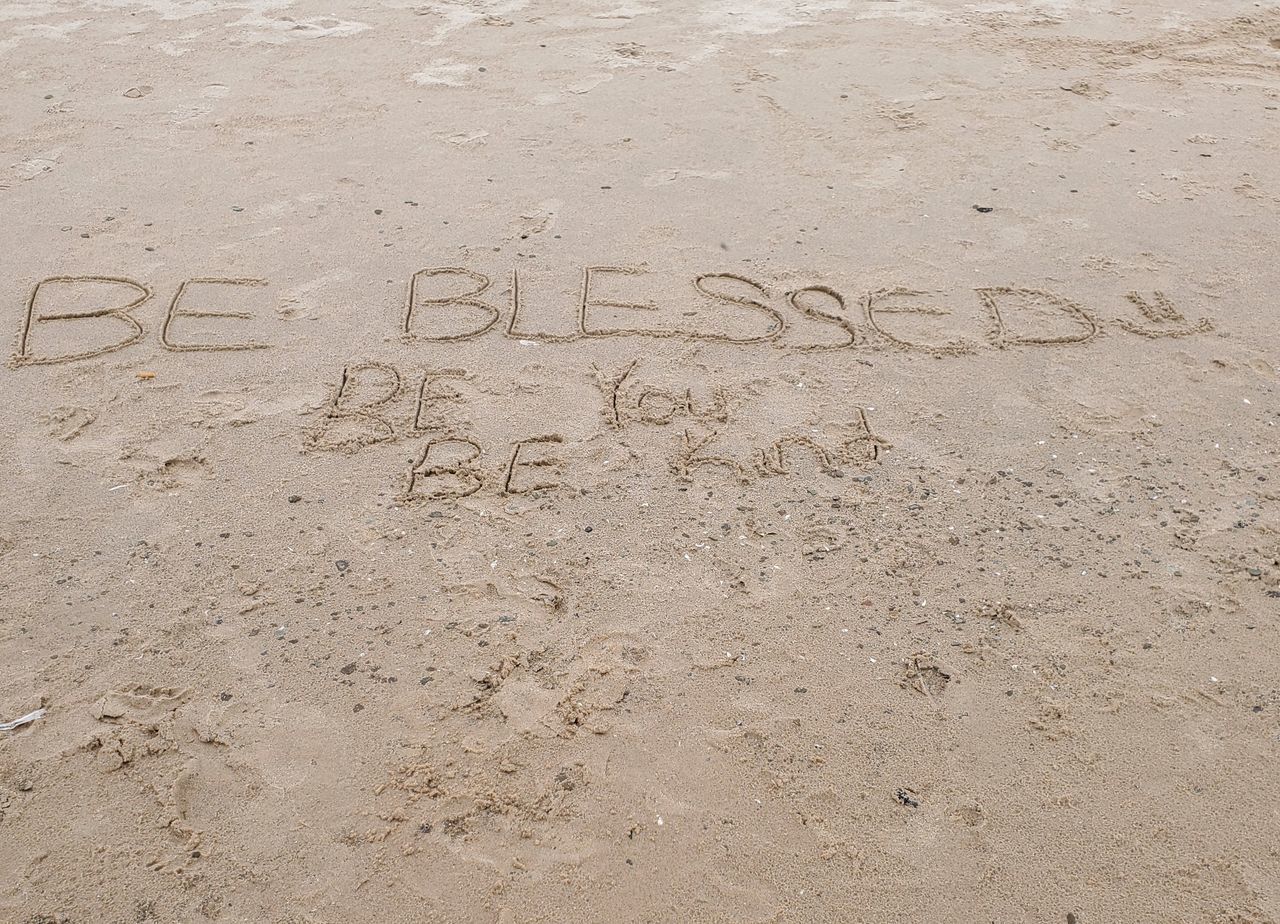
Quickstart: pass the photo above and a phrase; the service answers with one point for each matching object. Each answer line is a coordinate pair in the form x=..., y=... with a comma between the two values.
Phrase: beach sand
x=640, y=462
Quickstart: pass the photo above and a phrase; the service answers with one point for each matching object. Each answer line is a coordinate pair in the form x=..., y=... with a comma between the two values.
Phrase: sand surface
x=508, y=461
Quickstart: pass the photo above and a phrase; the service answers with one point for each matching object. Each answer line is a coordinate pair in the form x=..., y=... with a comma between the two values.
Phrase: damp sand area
x=520, y=463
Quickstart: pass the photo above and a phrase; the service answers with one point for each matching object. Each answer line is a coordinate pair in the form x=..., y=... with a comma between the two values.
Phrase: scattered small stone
x=294, y=498
x=349, y=668
x=907, y=798
x=342, y=564
x=225, y=697
x=984, y=209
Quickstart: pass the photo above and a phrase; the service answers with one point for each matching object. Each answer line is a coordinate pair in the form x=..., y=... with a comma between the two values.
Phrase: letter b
x=32, y=320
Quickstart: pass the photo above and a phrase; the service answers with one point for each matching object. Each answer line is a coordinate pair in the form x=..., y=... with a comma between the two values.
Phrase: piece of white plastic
x=21, y=721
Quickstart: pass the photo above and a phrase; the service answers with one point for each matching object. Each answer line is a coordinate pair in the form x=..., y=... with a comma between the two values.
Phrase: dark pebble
x=907, y=798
